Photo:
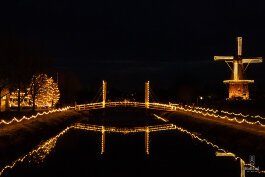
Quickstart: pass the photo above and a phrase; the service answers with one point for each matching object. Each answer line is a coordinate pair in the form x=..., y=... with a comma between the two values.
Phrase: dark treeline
x=20, y=60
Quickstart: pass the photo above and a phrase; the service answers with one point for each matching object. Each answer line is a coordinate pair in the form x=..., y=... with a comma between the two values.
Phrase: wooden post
x=242, y=166
x=147, y=140
x=104, y=93
x=103, y=140
x=147, y=94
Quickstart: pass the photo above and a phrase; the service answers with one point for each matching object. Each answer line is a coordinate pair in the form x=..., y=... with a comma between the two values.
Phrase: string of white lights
x=161, y=118
x=125, y=130
x=15, y=120
x=99, y=105
x=224, y=112
x=234, y=119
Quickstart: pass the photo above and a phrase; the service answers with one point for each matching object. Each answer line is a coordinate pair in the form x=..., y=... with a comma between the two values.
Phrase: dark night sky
x=127, y=42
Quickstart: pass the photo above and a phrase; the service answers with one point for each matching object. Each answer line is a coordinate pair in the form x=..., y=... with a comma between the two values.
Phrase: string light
x=207, y=112
x=104, y=93
x=123, y=130
x=15, y=120
x=156, y=106
x=234, y=119
x=103, y=136
x=147, y=140
x=147, y=91
x=161, y=118
x=222, y=111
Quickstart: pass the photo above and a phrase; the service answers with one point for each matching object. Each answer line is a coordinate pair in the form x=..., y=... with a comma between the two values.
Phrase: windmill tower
x=238, y=85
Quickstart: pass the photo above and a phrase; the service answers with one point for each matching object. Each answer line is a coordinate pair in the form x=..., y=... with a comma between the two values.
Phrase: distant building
x=24, y=102
x=46, y=97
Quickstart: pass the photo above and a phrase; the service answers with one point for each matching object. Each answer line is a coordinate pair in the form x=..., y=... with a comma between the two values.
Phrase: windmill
x=238, y=85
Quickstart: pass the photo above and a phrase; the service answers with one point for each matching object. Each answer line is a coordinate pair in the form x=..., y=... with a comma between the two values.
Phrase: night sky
x=127, y=42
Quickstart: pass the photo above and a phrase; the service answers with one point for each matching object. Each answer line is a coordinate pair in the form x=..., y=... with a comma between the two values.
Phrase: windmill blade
x=239, y=46
x=226, y=58
x=252, y=60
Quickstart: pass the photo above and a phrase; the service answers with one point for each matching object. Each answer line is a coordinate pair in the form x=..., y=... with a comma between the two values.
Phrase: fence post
x=147, y=140
x=103, y=140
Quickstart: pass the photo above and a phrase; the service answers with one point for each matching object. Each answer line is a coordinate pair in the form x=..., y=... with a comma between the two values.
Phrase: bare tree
x=3, y=85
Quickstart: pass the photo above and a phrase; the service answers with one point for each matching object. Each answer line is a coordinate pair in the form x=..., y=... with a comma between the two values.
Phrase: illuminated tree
x=44, y=91
x=47, y=94
x=36, y=87
x=55, y=93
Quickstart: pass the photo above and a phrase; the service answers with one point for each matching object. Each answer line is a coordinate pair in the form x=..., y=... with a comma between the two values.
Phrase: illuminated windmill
x=238, y=85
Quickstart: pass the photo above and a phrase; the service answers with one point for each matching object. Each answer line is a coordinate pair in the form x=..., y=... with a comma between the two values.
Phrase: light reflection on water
x=39, y=154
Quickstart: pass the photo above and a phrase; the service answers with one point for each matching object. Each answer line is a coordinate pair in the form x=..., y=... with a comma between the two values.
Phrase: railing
x=126, y=130
x=154, y=128
x=155, y=106
x=90, y=106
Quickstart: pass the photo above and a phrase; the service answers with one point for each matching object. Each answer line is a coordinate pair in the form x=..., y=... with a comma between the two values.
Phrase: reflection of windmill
x=238, y=85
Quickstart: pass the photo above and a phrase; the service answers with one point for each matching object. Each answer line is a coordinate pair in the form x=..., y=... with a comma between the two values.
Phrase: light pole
x=199, y=99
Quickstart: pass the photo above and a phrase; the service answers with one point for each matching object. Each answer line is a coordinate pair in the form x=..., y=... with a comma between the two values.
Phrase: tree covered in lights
x=44, y=91
x=37, y=82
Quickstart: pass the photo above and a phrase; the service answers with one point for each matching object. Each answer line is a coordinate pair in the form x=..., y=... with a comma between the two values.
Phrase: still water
x=77, y=153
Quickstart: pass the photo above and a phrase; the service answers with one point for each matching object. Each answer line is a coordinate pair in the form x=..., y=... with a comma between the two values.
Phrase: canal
x=78, y=152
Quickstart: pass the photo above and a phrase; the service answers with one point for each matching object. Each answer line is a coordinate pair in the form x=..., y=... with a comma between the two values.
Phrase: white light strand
x=154, y=128
x=224, y=112
x=234, y=119
x=15, y=120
